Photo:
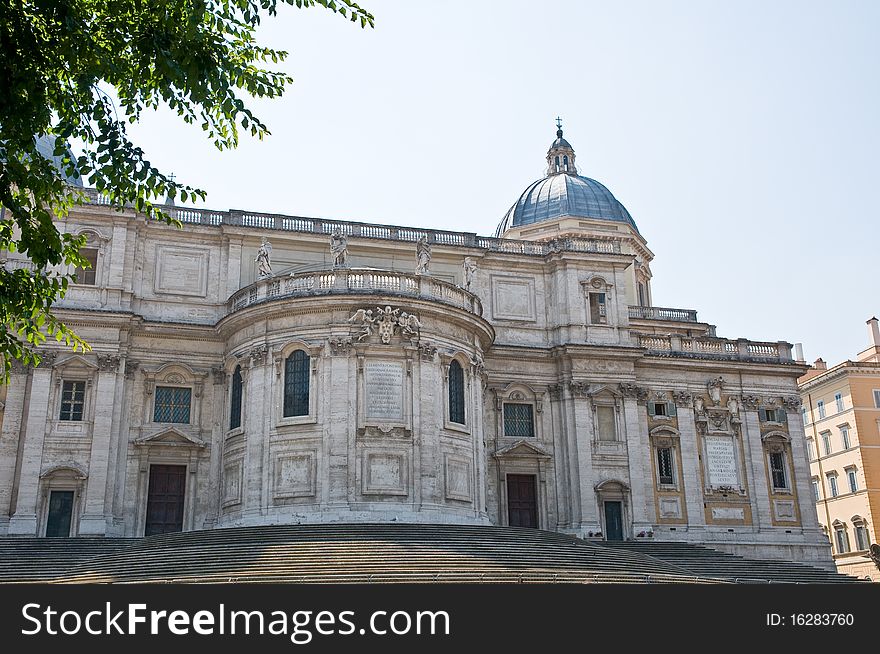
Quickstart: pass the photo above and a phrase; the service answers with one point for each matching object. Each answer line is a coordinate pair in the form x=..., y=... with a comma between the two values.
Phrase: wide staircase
x=362, y=553
x=707, y=562
x=43, y=559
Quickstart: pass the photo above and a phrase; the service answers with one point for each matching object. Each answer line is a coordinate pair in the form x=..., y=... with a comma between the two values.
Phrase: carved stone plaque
x=721, y=461
x=383, y=391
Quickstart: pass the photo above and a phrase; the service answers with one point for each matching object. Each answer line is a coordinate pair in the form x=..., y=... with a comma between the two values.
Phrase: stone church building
x=258, y=369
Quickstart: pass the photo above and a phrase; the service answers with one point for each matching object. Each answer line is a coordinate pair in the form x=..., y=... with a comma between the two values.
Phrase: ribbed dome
x=564, y=194
x=46, y=147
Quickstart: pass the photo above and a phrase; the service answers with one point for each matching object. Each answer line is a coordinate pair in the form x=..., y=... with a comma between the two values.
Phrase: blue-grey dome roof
x=564, y=195
x=46, y=147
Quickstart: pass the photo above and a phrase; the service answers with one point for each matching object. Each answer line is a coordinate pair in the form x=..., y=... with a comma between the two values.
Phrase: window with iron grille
x=296, y=384
x=456, y=393
x=88, y=275
x=172, y=404
x=235, y=399
x=73, y=397
x=518, y=420
x=777, y=470
x=664, y=466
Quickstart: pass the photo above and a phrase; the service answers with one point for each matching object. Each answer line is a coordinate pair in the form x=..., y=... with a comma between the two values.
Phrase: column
x=13, y=413
x=690, y=473
x=95, y=515
x=636, y=425
x=259, y=392
x=754, y=463
x=801, y=468
x=24, y=521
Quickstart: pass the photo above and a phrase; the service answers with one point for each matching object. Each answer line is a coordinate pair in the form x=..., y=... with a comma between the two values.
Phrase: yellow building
x=841, y=407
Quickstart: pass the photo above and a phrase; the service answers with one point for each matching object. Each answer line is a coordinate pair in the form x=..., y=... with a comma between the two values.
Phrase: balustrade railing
x=355, y=280
x=715, y=347
x=383, y=232
x=663, y=313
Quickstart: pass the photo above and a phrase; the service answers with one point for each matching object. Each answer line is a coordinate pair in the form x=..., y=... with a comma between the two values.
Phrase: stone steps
x=349, y=554
x=707, y=562
x=386, y=553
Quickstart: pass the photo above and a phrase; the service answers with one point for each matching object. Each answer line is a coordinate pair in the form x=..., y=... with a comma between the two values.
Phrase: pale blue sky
x=741, y=136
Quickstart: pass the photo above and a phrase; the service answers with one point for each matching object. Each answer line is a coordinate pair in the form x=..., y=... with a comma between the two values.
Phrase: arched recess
x=95, y=251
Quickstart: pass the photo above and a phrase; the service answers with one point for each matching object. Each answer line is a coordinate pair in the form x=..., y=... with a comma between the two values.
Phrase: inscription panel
x=721, y=461
x=513, y=298
x=181, y=271
x=383, y=391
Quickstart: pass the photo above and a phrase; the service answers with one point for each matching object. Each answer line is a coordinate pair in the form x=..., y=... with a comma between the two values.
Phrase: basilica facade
x=257, y=369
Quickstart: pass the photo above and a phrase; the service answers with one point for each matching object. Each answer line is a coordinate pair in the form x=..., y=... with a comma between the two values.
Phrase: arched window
x=296, y=384
x=456, y=393
x=557, y=164
x=235, y=400
x=565, y=162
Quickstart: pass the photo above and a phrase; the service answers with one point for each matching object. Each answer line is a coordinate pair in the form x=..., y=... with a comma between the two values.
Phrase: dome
x=564, y=193
x=46, y=147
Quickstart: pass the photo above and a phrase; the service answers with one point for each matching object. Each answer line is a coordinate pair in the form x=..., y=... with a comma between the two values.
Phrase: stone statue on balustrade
x=263, y=260
x=338, y=247
x=423, y=256
x=469, y=267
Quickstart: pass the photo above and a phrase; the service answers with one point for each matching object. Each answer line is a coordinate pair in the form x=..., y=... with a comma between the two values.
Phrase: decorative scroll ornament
x=792, y=402
x=219, y=376
x=751, y=402
x=682, y=398
x=427, y=351
x=579, y=389
x=108, y=362
x=131, y=368
x=386, y=322
x=339, y=344
x=632, y=390
x=259, y=354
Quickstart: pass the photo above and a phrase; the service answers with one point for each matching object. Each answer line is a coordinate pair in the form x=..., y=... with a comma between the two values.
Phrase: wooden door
x=60, y=514
x=522, y=501
x=165, y=499
x=613, y=521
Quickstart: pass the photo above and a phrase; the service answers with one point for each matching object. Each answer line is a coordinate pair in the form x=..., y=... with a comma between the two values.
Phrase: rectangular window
x=844, y=437
x=826, y=442
x=821, y=406
x=518, y=421
x=838, y=402
x=816, y=489
x=772, y=415
x=853, y=482
x=777, y=470
x=877, y=398
x=861, y=537
x=73, y=396
x=664, y=466
x=804, y=414
x=598, y=313
x=606, y=423
x=172, y=404
x=832, y=484
x=842, y=541
x=87, y=276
